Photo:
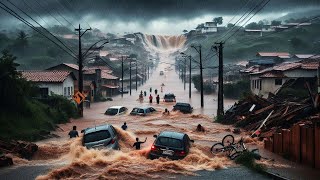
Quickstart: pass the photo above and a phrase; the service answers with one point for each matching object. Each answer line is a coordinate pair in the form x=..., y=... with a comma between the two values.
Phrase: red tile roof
x=106, y=75
x=286, y=66
x=273, y=75
x=310, y=65
x=272, y=54
x=46, y=76
x=73, y=66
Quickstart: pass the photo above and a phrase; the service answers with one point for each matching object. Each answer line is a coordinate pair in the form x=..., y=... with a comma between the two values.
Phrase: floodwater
x=73, y=161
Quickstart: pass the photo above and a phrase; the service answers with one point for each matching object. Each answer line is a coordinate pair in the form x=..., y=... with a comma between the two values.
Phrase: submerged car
x=173, y=145
x=116, y=110
x=161, y=73
x=169, y=98
x=104, y=136
x=142, y=111
x=183, y=107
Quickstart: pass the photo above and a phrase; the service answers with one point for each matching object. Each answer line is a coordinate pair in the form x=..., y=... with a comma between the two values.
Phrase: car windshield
x=96, y=136
x=169, y=96
x=170, y=142
x=111, y=111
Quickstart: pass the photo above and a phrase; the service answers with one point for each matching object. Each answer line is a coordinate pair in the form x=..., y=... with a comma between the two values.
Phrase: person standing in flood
x=138, y=143
x=73, y=133
x=150, y=89
x=124, y=126
x=145, y=93
x=156, y=91
x=158, y=99
x=150, y=98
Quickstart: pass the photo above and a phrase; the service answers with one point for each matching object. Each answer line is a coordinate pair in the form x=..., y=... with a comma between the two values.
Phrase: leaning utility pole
x=220, y=110
x=80, y=80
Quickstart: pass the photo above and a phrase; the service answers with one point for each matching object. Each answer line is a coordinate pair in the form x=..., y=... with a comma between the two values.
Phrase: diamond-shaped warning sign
x=78, y=97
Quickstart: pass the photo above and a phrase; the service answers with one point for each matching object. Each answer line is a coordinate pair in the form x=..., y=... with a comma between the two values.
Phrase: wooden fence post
x=286, y=142
x=295, y=143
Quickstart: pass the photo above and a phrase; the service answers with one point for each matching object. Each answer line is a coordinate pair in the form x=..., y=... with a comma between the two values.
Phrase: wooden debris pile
x=266, y=116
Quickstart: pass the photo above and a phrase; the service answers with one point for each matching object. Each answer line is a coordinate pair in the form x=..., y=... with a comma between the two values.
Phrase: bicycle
x=227, y=146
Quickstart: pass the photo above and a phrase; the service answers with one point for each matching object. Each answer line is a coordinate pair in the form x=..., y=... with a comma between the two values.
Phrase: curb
x=275, y=176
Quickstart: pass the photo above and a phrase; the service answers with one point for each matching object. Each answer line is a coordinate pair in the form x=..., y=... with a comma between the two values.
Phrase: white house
x=209, y=27
x=271, y=79
x=52, y=82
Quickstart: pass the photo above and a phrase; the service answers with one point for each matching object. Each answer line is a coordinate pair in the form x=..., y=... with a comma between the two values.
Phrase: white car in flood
x=116, y=110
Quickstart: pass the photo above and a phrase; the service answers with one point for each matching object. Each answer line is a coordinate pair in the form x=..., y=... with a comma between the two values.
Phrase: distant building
x=278, y=57
x=52, y=82
x=209, y=27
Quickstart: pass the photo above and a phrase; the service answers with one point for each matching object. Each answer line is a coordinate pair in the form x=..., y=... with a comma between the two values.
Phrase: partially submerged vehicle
x=183, y=107
x=170, y=97
x=142, y=111
x=104, y=136
x=116, y=110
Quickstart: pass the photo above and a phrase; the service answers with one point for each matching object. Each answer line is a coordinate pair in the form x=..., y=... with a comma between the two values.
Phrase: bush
x=248, y=159
x=236, y=90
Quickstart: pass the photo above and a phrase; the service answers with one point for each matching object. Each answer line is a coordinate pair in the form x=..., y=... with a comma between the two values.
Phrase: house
x=302, y=56
x=110, y=84
x=278, y=57
x=52, y=82
x=271, y=79
x=262, y=62
x=74, y=68
x=253, y=31
x=209, y=27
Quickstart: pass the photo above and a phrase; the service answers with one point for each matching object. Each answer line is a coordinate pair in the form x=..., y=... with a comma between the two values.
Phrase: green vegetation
x=23, y=116
x=207, y=86
x=248, y=159
x=237, y=89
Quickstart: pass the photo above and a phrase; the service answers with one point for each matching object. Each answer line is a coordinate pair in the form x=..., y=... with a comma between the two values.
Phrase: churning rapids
x=70, y=160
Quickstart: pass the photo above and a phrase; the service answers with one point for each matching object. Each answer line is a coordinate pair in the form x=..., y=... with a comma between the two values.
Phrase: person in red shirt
x=150, y=98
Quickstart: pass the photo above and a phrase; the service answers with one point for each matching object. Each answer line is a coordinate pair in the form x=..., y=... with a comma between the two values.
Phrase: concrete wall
x=58, y=88
x=300, y=73
x=267, y=85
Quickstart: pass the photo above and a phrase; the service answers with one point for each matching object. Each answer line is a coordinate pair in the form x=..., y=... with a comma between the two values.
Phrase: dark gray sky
x=150, y=16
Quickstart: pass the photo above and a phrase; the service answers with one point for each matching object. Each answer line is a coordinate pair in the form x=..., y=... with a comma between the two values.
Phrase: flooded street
x=68, y=159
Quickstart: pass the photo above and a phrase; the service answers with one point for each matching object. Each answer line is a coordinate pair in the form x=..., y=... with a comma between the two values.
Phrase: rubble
x=20, y=148
x=265, y=116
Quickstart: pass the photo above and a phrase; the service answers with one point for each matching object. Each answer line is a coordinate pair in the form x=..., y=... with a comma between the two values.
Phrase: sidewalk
x=277, y=165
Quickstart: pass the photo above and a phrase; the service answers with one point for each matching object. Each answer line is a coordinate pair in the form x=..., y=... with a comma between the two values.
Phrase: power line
x=254, y=39
x=77, y=13
x=42, y=27
x=234, y=26
x=17, y=16
x=249, y=19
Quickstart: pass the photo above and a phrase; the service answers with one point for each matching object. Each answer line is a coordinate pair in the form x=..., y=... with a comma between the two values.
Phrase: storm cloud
x=139, y=13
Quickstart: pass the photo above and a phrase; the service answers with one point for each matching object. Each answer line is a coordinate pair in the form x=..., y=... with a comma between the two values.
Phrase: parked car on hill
x=142, y=111
x=183, y=107
x=116, y=110
x=104, y=136
x=173, y=145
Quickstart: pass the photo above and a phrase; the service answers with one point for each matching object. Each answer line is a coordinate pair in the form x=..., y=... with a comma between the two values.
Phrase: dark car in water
x=104, y=136
x=172, y=145
x=183, y=107
x=142, y=111
x=169, y=97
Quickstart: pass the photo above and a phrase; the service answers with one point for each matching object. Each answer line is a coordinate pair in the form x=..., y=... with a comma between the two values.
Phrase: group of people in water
x=150, y=96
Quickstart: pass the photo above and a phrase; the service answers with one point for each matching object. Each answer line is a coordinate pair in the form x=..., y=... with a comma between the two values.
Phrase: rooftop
x=272, y=54
x=47, y=76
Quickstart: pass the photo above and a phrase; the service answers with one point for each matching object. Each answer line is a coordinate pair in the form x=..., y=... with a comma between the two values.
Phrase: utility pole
x=80, y=80
x=148, y=71
x=130, y=77
x=185, y=72
x=121, y=76
x=201, y=75
x=220, y=110
x=319, y=78
x=190, y=77
x=136, y=75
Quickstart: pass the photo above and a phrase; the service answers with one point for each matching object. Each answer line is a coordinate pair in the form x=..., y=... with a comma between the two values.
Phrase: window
x=96, y=136
x=260, y=84
x=44, y=92
x=278, y=81
x=65, y=91
x=69, y=91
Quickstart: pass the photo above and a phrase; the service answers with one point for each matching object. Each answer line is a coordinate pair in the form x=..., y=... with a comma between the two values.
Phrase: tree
x=200, y=26
x=261, y=24
x=218, y=20
x=185, y=31
x=275, y=23
x=252, y=25
x=230, y=25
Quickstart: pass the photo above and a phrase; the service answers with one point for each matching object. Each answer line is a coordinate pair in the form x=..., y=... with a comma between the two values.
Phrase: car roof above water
x=97, y=128
x=182, y=104
x=171, y=134
x=115, y=107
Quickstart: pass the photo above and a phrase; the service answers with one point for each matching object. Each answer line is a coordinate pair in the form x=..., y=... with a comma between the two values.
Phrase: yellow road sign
x=78, y=97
